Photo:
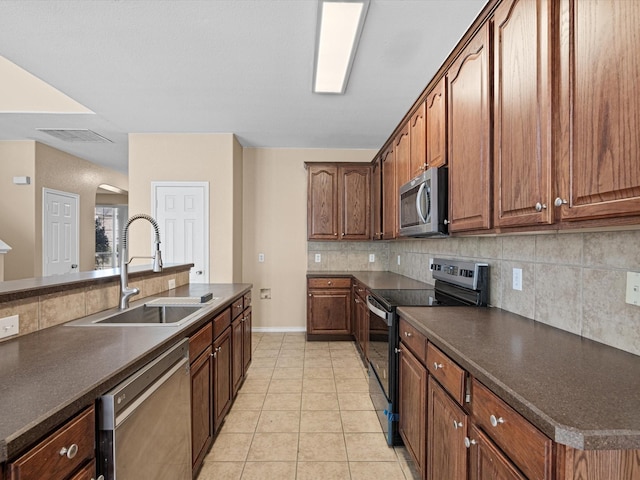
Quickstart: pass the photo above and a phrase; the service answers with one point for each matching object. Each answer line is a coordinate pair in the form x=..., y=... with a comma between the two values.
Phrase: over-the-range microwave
x=423, y=204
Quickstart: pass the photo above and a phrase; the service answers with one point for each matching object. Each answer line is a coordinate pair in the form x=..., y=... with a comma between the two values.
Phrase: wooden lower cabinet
x=246, y=344
x=201, y=406
x=47, y=461
x=486, y=461
x=221, y=377
x=329, y=307
x=446, y=431
x=412, y=408
x=237, y=365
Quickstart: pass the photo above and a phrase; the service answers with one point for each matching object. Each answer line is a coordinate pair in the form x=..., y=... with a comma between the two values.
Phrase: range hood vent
x=75, y=135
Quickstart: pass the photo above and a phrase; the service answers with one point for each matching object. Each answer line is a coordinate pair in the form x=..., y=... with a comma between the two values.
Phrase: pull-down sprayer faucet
x=127, y=292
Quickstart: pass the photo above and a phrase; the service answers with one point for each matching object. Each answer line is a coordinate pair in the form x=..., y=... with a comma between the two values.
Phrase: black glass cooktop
x=405, y=298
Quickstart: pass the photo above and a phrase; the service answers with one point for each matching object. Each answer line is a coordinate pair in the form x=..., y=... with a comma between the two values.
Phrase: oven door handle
x=386, y=316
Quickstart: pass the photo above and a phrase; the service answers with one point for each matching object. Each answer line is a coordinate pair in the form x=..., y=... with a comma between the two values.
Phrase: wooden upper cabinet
x=322, y=205
x=389, y=194
x=355, y=202
x=469, y=134
x=339, y=201
x=376, y=199
x=418, y=141
x=436, y=127
x=599, y=170
x=402, y=151
x=522, y=114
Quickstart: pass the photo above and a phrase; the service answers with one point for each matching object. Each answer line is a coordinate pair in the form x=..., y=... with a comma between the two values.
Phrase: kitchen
x=549, y=263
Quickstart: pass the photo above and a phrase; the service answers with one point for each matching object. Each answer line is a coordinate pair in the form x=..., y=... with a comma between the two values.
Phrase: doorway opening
x=109, y=220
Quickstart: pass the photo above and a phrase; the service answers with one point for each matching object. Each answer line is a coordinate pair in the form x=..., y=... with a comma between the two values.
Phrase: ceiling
x=221, y=66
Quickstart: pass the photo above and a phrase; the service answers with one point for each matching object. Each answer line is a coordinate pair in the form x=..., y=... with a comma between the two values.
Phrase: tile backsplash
x=572, y=281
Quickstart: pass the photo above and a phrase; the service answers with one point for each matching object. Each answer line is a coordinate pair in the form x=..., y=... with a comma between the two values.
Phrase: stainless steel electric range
x=457, y=283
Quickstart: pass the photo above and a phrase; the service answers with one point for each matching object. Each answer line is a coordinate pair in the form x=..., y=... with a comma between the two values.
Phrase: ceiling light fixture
x=338, y=32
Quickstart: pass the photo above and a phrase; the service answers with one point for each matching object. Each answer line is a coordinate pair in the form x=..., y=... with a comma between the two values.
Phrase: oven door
x=383, y=371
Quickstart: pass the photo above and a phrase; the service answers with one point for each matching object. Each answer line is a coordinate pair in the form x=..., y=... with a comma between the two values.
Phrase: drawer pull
x=437, y=365
x=495, y=421
x=408, y=334
x=457, y=424
x=69, y=452
x=328, y=283
x=397, y=350
x=468, y=442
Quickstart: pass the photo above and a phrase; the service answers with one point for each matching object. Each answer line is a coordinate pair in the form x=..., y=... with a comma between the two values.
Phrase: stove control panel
x=467, y=274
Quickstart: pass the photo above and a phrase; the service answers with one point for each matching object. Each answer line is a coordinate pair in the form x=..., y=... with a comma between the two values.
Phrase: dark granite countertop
x=578, y=392
x=50, y=375
x=377, y=280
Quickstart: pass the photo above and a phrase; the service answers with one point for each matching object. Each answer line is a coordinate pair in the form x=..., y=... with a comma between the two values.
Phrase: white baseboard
x=278, y=329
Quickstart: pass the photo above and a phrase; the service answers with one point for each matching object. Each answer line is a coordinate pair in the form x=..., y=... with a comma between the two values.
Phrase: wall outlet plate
x=372, y=257
x=261, y=257
x=633, y=288
x=172, y=283
x=398, y=259
x=517, y=279
x=9, y=326
x=318, y=258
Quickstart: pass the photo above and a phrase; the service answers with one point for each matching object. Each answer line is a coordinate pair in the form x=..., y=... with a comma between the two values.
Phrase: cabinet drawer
x=237, y=307
x=49, y=460
x=247, y=299
x=329, y=282
x=447, y=372
x=87, y=473
x=199, y=342
x=221, y=322
x=412, y=339
x=523, y=443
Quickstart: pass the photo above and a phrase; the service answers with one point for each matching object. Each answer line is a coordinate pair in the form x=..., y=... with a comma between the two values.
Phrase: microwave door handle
x=421, y=192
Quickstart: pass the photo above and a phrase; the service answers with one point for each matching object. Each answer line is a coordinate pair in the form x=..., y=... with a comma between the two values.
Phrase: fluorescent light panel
x=339, y=27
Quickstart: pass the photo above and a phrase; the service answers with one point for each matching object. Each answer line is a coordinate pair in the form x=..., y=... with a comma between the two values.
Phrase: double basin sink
x=174, y=311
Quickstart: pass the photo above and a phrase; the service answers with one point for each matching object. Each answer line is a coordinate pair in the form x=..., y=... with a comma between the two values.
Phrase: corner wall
x=275, y=223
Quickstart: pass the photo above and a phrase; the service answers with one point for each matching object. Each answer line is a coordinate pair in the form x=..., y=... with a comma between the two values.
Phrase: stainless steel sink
x=143, y=315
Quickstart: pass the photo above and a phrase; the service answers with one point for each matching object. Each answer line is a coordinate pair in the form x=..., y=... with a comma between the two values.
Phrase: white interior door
x=181, y=210
x=59, y=232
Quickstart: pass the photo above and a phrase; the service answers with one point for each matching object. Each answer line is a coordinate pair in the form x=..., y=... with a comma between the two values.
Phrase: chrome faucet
x=127, y=292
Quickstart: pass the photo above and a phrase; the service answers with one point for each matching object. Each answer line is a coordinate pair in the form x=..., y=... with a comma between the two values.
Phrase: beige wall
x=21, y=205
x=275, y=223
x=209, y=158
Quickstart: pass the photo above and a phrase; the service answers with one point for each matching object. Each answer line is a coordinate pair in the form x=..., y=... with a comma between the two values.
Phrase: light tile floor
x=304, y=413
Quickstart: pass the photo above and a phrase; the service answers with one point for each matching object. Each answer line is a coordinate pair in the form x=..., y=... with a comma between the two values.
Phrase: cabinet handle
x=446, y=222
x=495, y=421
x=335, y=234
x=468, y=442
x=540, y=206
x=329, y=283
x=101, y=477
x=310, y=295
x=213, y=354
x=457, y=424
x=397, y=350
x=343, y=234
x=559, y=202
x=437, y=365
x=69, y=452
x=408, y=334
x=357, y=301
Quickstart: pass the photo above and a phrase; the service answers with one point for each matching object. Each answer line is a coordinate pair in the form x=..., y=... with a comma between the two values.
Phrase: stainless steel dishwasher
x=145, y=422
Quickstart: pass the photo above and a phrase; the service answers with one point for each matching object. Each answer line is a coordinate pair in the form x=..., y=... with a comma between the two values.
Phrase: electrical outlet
x=633, y=288
x=261, y=257
x=318, y=258
x=372, y=257
x=517, y=279
x=172, y=283
x=398, y=259
x=9, y=326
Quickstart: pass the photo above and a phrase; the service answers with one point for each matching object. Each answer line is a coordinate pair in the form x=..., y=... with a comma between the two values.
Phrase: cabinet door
x=599, y=104
x=376, y=199
x=201, y=406
x=354, y=205
x=447, y=427
x=402, y=151
x=412, y=409
x=436, y=111
x=222, y=377
x=322, y=204
x=87, y=473
x=329, y=311
x=522, y=114
x=418, y=140
x=389, y=195
x=246, y=345
x=237, y=365
x=486, y=462
x=469, y=133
